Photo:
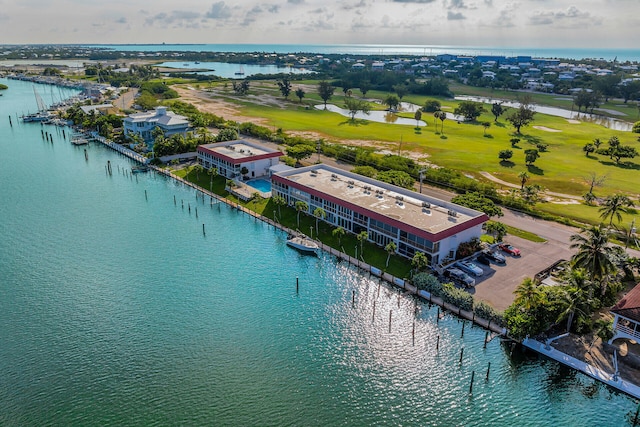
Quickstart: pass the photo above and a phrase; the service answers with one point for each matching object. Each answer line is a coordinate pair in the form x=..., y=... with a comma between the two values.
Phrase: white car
x=470, y=267
x=460, y=276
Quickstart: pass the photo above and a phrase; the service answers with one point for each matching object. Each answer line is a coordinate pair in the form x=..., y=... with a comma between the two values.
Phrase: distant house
x=377, y=66
x=626, y=321
x=97, y=109
x=230, y=157
x=143, y=124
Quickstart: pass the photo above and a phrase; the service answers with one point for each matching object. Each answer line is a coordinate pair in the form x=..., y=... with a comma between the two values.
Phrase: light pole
x=356, y=252
x=318, y=148
x=632, y=230
x=422, y=171
x=311, y=231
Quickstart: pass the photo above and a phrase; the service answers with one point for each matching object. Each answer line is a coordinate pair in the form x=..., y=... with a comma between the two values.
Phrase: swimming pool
x=261, y=185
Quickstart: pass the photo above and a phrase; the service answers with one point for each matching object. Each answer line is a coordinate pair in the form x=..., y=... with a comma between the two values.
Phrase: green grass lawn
x=464, y=147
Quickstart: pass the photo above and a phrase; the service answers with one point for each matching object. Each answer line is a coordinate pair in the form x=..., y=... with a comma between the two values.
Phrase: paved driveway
x=497, y=285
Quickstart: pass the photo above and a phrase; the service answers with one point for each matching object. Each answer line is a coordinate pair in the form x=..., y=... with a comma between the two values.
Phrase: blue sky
x=523, y=23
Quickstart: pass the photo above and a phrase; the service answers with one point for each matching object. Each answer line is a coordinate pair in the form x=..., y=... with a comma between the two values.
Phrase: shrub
x=457, y=297
x=485, y=311
x=427, y=282
x=636, y=127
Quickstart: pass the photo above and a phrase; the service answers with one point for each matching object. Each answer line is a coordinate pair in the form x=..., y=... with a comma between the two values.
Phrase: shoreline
x=360, y=265
x=611, y=380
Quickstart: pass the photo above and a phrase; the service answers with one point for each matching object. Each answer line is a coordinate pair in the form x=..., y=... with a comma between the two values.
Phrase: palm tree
x=417, y=116
x=573, y=300
x=524, y=177
x=528, y=294
x=338, y=232
x=614, y=206
x=279, y=201
x=594, y=253
x=362, y=236
x=391, y=249
x=319, y=213
x=213, y=172
x=496, y=229
x=198, y=168
x=419, y=261
x=442, y=116
x=255, y=196
x=301, y=206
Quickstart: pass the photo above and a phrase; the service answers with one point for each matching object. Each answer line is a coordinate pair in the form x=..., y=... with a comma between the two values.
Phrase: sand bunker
x=573, y=122
x=546, y=129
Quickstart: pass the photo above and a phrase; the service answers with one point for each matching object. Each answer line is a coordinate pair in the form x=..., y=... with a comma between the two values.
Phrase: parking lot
x=499, y=281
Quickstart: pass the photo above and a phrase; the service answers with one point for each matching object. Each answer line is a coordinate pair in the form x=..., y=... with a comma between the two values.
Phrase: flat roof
x=428, y=214
x=239, y=150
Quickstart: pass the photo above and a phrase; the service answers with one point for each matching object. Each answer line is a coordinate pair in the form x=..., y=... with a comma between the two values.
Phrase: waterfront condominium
x=413, y=221
x=230, y=157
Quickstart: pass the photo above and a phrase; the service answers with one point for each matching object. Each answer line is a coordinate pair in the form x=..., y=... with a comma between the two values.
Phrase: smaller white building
x=143, y=124
x=230, y=157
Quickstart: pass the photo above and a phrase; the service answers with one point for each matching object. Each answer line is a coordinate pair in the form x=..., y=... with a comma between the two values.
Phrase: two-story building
x=230, y=157
x=413, y=221
x=626, y=320
x=143, y=124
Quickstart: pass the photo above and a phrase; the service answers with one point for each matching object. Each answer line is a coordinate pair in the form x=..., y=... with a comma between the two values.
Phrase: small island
x=3, y=87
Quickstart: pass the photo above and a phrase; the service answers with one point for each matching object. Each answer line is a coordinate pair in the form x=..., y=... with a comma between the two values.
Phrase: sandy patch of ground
x=573, y=122
x=546, y=129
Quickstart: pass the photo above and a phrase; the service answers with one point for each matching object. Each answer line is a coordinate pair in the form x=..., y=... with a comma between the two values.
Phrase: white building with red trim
x=230, y=157
x=413, y=221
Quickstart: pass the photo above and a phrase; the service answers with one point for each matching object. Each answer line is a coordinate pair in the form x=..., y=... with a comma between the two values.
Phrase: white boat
x=42, y=114
x=303, y=244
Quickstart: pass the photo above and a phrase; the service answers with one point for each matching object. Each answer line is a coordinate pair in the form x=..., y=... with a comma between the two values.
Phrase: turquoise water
x=116, y=310
x=621, y=54
x=260, y=185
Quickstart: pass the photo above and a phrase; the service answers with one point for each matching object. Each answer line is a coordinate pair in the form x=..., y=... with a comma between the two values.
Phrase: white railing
x=628, y=331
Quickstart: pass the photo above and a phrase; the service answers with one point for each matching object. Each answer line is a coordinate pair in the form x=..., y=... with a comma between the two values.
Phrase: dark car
x=483, y=259
x=494, y=256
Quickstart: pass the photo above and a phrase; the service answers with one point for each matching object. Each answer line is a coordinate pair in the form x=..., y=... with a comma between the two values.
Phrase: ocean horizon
x=609, y=54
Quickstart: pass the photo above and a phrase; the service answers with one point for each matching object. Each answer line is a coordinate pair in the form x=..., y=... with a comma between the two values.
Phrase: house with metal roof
x=143, y=124
x=626, y=321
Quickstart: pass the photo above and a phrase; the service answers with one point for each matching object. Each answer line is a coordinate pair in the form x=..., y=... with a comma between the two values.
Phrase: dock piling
x=462, y=333
x=390, y=311
x=86, y=155
x=374, y=311
x=438, y=316
x=438, y=343
x=635, y=419
x=473, y=374
x=486, y=339
x=413, y=334
x=461, y=354
x=489, y=368
x=297, y=285
x=203, y=232
x=353, y=299
x=145, y=195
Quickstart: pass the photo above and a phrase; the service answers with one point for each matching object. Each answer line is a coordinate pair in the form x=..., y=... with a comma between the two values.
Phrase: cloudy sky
x=501, y=23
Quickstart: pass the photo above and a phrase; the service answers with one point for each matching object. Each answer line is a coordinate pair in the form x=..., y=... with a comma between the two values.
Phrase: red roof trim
x=235, y=161
x=432, y=237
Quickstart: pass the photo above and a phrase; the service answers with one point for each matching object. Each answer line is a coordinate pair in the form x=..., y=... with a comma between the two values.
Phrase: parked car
x=509, y=249
x=494, y=256
x=460, y=276
x=483, y=259
x=470, y=267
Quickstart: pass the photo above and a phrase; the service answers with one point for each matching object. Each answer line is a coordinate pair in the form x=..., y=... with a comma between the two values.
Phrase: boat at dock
x=79, y=139
x=140, y=169
x=303, y=244
x=41, y=115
